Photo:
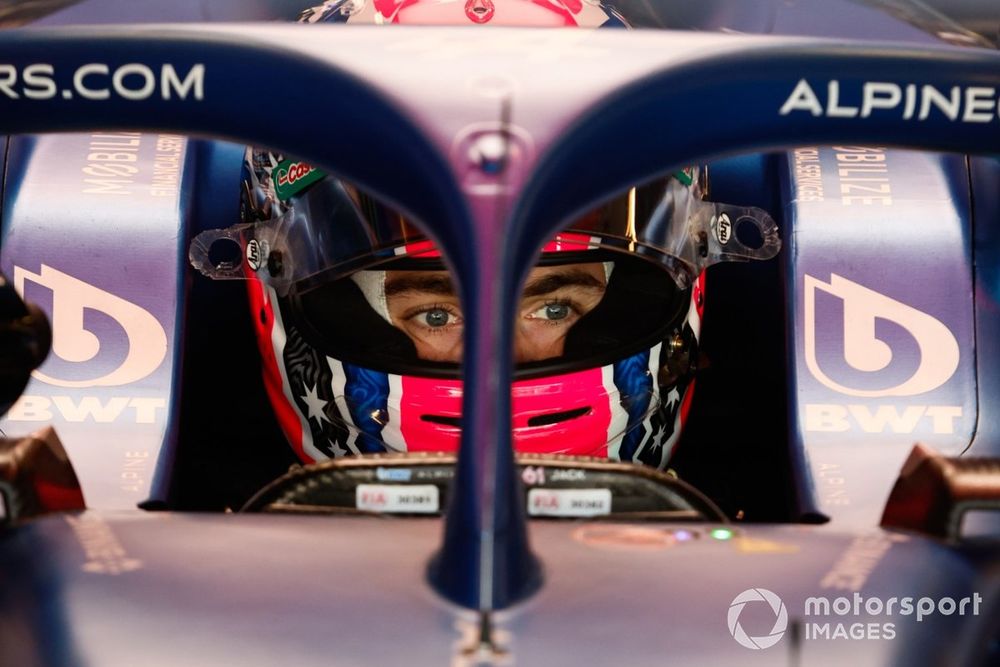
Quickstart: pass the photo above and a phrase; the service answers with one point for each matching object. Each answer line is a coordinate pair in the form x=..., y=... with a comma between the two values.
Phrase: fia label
x=418, y=499
x=569, y=502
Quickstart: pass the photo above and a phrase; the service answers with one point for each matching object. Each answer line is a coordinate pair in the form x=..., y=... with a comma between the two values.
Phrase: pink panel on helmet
x=576, y=403
x=540, y=13
x=425, y=403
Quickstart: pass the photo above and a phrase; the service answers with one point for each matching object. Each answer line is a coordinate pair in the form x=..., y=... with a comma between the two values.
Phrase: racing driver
x=361, y=330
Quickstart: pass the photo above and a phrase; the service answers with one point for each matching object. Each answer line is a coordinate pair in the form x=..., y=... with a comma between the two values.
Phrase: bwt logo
x=73, y=342
x=888, y=348
x=780, y=618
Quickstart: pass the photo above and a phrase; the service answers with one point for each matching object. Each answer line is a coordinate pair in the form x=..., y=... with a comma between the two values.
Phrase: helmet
x=360, y=327
x=523, y=13
x=360, y=330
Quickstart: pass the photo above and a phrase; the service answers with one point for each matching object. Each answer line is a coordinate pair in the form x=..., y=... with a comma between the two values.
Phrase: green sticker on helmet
x=292, y=177
x=686, y=176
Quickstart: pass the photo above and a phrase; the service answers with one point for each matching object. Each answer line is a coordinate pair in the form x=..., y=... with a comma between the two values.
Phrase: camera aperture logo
x=826, y=619
x=780, y=618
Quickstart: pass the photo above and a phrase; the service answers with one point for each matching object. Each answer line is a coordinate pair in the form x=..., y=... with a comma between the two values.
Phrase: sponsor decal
x=861, y=557
x=135, y=470
x=96, y=409
x=292, y=177
x=72, y=341
x=863, y=176
x=871, y=354
x=104, y=554
x=393, y=474
x=836, y=418
x=100, y=81
x=723, y=229
x=831, y=484
x=113, y=167
x=808, y=175
x=569, y=502
x=911, y=101
x=256, y=252
x=418, y=499
x=685, y=176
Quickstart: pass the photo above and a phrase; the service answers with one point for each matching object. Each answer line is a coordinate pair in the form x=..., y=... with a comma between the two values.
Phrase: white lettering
x=821, y=418
x=833, y=108
x=133, y=70
x=39, y=76
x=30, y=408
x=833, y=418
x=170, y=83
x=80, y=86
x=802, y=99
x=8, y=77
x=887, y=416
x=978, y=104
x=972, y=104
x=879, y=96
x=946, y=105
x=90, y=407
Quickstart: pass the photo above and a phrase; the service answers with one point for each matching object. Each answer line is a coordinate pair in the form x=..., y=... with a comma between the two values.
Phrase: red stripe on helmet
x=422, y=248
x=698, y=295
x=263, y=317
x=563, y=9
x=571, y=242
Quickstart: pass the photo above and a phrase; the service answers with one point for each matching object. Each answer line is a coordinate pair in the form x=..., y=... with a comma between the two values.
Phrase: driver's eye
x=553, y=311
x=436, y=317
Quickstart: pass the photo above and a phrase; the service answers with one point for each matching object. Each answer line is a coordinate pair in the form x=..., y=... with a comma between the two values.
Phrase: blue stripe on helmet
x=367, y=393
x=635, y=385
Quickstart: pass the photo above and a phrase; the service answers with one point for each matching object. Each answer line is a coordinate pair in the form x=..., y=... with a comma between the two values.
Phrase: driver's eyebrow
x=431, y=284
x=555, y=281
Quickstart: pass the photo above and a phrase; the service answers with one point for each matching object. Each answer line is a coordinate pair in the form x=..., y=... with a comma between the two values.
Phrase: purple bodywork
x=117, y=586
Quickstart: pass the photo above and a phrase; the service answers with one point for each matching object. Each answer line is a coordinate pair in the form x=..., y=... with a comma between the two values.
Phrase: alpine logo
x=963, y=104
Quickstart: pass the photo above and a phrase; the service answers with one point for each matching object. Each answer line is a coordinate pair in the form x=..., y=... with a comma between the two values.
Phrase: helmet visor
x=365, y=286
